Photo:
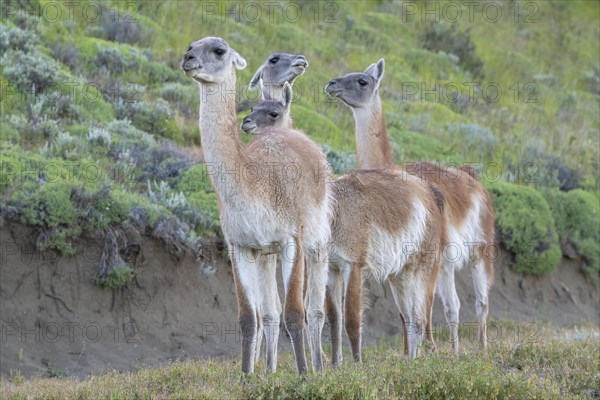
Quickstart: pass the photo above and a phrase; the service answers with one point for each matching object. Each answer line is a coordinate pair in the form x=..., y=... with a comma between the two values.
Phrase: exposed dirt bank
x=56, y=320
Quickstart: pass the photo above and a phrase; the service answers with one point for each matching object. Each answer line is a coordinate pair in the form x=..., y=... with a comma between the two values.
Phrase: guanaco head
x=269, y=113
x=277, y=69
x=357, y=89
x=209, y=60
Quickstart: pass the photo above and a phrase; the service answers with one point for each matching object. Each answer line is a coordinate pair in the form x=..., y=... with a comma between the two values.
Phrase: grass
x=543, y=363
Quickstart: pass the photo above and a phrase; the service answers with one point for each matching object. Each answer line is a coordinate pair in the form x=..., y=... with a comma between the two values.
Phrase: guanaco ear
x=286, y=95
x=256, y=79
x=238, y=61
x=376, y=71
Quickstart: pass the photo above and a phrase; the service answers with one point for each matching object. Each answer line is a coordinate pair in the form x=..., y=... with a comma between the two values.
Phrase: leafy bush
x=50, y=208
x=195, y=184
x=17, y=39
x=123, y=130
x=440, y=37
x=119, y=27
x=9, y=133
x=526, y=227
x=185, y=97
x=99, y=136
x=160, y=162
x=155, y=118
x=67, y=54
x=61, y=107
x=340, y=162
x=474, y=139
x=112, y=59
x=65, y=146
x=30, y=72
x=206, y=212
x=199, y=211
x=548, y=170
x=577, y=217
x=104, y=208
x=116, y=278
x=195, y=179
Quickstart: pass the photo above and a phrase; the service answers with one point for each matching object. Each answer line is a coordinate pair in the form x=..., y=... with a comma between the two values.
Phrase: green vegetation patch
x=526, y=227
x=117, y=277
x=577, y=218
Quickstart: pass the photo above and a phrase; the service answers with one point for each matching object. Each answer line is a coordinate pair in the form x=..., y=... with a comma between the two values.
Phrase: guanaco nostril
x=246, y=120
x=332, y=83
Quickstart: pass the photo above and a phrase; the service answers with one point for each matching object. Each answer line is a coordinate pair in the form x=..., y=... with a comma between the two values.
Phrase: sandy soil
x=54, y=318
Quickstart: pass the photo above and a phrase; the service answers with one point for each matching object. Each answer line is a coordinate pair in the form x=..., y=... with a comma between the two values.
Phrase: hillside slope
x=99, y=139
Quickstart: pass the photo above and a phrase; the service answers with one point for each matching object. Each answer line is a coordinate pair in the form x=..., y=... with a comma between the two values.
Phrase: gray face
x=210, y=60
x=277, y=69
x=269, y=113
x=265, y=114
x=355, y=89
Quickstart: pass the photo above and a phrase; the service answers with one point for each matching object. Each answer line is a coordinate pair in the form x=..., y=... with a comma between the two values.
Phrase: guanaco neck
x=221, y=142
x=372, y=142
x=272, y=92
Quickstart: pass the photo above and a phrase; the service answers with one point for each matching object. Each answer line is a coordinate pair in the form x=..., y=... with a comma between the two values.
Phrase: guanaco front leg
x=353, y=310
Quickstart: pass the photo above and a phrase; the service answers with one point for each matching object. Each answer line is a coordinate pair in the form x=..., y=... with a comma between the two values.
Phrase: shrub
x=160, y=162
x=17, y=39
x=577, y=217
x=526, y=227
x=111, y=58
x=206, y=211
x=9, y=133
x=156, y=118
x=196, y=186
x=340, y=162
x=547, y=169
x=474, y=139
x=30, y=71
x=122, y=129
x=65, y=146
x=195, y=179
x=67, y=54
x=99, y=136
x=200, y=211
x=61, y=107
x=50, y=208
x=116, y=278
x=104, y=208
x=119, y=27
x=440, y=37
x=185, y=97
x=591, y=80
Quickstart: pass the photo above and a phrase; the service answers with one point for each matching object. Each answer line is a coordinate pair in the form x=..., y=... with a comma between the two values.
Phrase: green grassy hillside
x=99, y=125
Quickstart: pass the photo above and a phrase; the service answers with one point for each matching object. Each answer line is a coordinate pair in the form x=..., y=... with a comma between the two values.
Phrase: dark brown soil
x=56, y=320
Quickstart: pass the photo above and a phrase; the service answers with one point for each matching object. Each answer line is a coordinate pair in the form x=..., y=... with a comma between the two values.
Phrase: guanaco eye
x=362, y=82
x=274, y=60
x=219, y=52
x=274, y=114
